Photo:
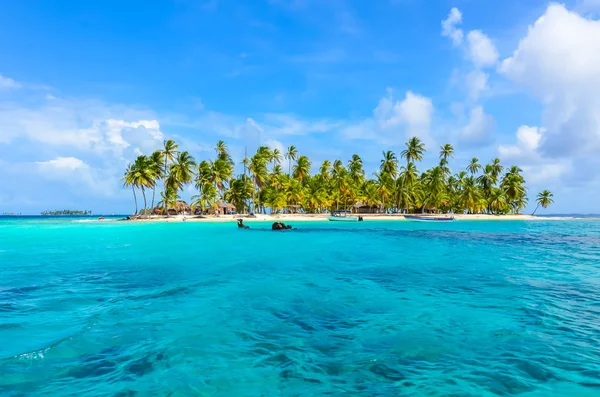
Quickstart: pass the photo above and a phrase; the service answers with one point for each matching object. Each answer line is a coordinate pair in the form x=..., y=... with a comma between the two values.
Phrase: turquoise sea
x=365, y=309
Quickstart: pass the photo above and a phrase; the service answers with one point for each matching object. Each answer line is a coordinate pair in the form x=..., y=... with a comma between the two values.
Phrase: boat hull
x=342, y=219
x=419, y=218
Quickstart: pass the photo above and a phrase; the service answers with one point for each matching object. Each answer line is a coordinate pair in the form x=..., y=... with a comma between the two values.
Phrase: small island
x=397, y=187
x=66, y=212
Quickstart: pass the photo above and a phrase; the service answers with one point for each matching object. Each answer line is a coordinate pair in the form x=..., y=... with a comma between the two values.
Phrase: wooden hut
x=222, y=208
x=364, y=208
x=292, y=209
x=180, y=208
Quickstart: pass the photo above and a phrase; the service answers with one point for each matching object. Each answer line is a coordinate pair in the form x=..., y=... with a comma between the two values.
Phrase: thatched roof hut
x=180, y=208
x=222, y=208
x=293, y=208
x=364, y=208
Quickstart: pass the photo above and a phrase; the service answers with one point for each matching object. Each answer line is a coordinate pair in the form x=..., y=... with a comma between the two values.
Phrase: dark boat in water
x=428, y=218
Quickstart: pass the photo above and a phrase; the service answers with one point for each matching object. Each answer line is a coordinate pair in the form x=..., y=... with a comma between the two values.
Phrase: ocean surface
x=470, y=308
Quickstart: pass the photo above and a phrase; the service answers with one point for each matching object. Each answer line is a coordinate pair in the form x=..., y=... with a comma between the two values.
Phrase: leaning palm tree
x=128, y=180
x=143, y=176
x=543, y=199
x=169, y=151
x=291, y=154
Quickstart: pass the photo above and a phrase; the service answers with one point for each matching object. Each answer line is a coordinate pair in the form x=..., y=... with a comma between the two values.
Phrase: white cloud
x=395, y=120
x=559, y=62
x=528, y=141
x=82, y=126
x=449, y=28
x=477, y=82
x=481, y=50
x=478, y=131
x=275, y=144
x=8, y=83
x=61, y=163
x=524, y=153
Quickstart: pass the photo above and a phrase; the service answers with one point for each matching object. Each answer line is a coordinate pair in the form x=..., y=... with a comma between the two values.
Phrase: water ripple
x=377, y=309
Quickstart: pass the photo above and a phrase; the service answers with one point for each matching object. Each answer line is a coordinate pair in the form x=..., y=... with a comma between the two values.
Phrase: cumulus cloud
x=61, y=163
x=524, y=152
x=559, y=62
x=449, y=26
x=71, y=124
x=477, y=82
x=395, y=120
x=481, y=50
x=478, y=131
x=8, y=83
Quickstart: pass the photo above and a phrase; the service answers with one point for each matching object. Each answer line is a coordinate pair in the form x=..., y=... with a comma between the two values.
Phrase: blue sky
x=85, y=86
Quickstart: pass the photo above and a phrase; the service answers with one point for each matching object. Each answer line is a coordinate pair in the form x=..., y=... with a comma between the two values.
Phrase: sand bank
x=323, y=218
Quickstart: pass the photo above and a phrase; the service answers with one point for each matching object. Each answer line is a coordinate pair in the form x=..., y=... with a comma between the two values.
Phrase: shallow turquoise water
x=372, y=308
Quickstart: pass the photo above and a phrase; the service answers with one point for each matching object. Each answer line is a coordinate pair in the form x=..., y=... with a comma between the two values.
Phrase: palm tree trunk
x=145, y=205
x=134, y=199
x=536, y=208
x=166, y=179
x=153, y=192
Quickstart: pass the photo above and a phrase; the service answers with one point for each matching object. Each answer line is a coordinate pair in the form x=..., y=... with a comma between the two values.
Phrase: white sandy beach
x=323, y=218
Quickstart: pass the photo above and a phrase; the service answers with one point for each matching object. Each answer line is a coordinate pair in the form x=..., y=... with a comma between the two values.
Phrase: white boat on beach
x=343, y=216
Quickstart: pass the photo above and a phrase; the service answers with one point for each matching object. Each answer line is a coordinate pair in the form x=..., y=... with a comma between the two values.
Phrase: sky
x=86, y=86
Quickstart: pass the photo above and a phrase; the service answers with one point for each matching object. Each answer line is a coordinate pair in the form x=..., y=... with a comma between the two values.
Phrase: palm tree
x=355, y=169
x=389, y=164
x=543, y=199
x=291, y=154
x=302, y=168
x=156, y=160
x=169, y=151
x=207, y=197
x=128, y=180
x=222, y=153
x=325, y=168
x=413, y=152
x=143, y=175
x=474, y=166
x=275, y=157
x=182, y=171
x=446, y=151
x=239, y=192
x=496, y=168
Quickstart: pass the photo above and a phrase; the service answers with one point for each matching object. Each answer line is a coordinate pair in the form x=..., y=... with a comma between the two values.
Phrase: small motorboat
x=428, y=218
x=343, y=216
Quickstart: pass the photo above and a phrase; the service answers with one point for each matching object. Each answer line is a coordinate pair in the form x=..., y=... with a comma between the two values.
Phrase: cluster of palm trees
x=265, y=187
